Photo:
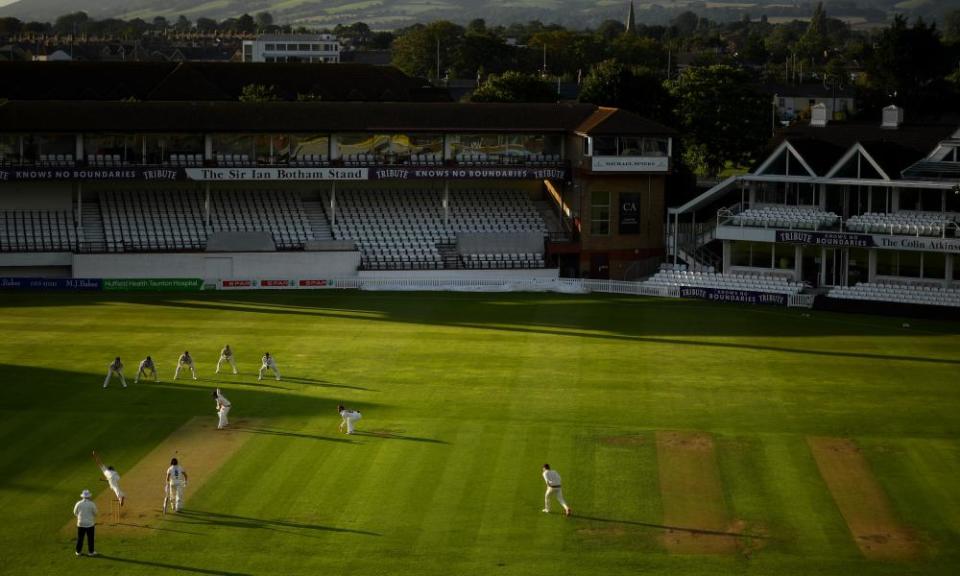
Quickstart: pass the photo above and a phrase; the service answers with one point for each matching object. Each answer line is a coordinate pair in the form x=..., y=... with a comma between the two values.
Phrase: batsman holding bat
x=176, y=481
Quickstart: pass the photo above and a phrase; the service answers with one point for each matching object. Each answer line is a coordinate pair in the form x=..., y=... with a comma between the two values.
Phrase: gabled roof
x=616, y=122
x=893, y=150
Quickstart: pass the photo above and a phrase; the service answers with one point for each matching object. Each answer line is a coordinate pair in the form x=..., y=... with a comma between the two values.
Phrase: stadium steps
x=317, y=217
x=449, y=256
x=92, y=236
x=548, y=212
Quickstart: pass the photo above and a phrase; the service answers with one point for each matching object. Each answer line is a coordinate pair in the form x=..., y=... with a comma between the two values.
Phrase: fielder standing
x=175, y=483
x=185, y=360
x=223, y=408
x=226, y=355
x=349, y=417
x=147, y=365
x=268, y=364
x=113, y=478
x=86, y=512
x=115, y=369
x=552, y=478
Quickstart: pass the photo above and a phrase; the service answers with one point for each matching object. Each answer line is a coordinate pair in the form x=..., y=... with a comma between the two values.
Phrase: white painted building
x=292, y=48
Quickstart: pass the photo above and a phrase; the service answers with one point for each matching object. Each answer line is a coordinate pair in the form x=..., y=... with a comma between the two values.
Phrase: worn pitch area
x=693, y=504
x=861, y=500
x=201, y=450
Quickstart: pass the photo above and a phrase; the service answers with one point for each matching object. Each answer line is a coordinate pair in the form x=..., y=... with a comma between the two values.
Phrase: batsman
x=176, y=481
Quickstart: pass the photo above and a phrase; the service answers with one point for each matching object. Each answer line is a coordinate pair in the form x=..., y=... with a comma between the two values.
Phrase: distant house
x=793, y=102
x=55, y=56
x=301, y=48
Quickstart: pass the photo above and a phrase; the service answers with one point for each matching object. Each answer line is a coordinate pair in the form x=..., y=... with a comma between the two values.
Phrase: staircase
x=92, y=237
x=548, y=212
x=317, y=217
x=450, y=257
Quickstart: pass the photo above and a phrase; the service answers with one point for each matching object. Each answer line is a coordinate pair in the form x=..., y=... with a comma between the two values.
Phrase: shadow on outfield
x=395, y=436
x=233, y=521
x=676, y=528
x=271, y=432
x=171, y=566
x=324, y=383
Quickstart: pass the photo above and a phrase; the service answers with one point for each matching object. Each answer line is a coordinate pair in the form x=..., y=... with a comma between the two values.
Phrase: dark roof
x=617, y=122
x=814, y=89
x=221, y=81
x=309, y=117
x=893, y=149
x=820, y=155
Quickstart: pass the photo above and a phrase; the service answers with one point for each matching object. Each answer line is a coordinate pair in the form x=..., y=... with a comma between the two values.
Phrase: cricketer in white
x=552, y=478
x=223, y=408
x=268, y=364
x=175, y=483
x=226, y=355
x=115, y=369
x=349, y=418
x=185, y=360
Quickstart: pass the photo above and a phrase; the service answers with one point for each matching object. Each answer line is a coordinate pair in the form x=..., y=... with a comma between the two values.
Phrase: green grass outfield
x=475, y=392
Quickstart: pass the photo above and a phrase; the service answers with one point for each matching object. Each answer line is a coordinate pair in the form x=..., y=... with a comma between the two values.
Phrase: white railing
x=565, y=285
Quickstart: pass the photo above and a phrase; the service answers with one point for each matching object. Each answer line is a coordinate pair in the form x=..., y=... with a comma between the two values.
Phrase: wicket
x=115, y=510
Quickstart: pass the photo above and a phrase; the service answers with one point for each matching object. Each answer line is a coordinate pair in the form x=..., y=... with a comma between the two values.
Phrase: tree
x=610, y=29
x=906, y=62
x=639, y=90
x=639, y=51
x=415, y=49
x=813, y=43
x=951, y=26
x=514, y=87
x=182, y=24
x=206, y=25
x=10, y=26
x=246, y=24
x=725, y=119
x=72, y=23
x=264, y=20
x=259, y=93
x=160, y=23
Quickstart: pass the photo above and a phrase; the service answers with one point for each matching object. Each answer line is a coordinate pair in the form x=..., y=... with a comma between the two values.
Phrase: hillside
x=389, y=14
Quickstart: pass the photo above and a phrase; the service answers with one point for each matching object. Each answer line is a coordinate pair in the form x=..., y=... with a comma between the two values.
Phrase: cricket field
x=692, y=438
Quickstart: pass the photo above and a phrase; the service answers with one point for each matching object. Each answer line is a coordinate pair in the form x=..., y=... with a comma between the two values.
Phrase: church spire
x=631, y=24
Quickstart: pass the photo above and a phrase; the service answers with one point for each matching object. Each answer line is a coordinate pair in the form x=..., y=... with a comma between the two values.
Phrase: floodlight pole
x=333, y=203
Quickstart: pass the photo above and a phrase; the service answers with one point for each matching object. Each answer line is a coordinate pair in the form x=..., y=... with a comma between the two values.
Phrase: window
x=303, y=47
x=129, y=147
x=314, y=47
x=302, y=145
x=604, y=146
x=887, y=263
x=935, y=265
x=159, y=147
x=281, y=47
x=270, y=47
x=785, y=257
x=600, y=213
x=270, y=59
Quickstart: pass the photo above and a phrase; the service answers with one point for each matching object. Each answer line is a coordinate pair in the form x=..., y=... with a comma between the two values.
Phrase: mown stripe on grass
x=808, y=522
x=692, y=495
x=863, y=503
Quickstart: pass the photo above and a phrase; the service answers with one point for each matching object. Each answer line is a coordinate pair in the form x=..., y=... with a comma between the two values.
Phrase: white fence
x=564, y=285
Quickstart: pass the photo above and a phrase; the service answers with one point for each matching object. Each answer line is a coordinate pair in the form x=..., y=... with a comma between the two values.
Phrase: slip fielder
x=226, y=355
x=115, y=369
x=185, y=360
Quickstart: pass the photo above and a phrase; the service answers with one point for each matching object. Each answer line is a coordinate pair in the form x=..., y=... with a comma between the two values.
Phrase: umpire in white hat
x=86, y=512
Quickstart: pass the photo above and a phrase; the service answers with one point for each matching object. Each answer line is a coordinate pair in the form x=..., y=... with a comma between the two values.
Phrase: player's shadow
x=174, y=567
x=395, y=436
x=272, y=432
x=703, y=531
x=324, y=383
x=234, y=521
x=238, y=382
